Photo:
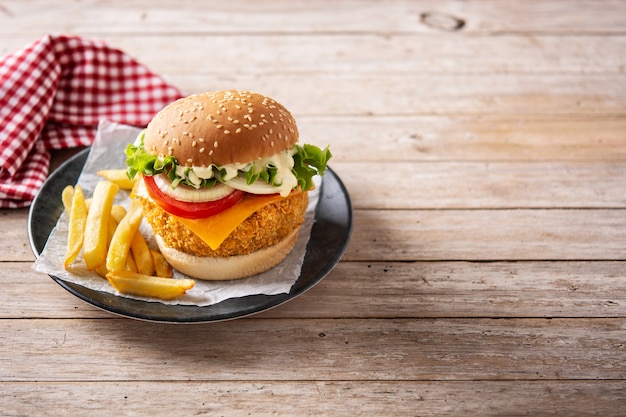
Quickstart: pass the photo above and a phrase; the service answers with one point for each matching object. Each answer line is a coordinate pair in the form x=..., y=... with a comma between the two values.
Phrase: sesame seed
x=190, y=160
x=238, y=130
x=215, y=144
x=219, y=126
x=272, y=143
x=201, y=140
x=194, y=144
x=235, y=121
x=250, y=110
x=211, y=152
x=201, y=150
x=226, y=132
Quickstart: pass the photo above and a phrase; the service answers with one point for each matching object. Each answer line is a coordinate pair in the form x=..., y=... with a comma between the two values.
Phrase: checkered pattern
x=53, y=93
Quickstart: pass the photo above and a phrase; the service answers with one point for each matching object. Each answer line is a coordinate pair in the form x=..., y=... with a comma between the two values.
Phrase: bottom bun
x=233, y=267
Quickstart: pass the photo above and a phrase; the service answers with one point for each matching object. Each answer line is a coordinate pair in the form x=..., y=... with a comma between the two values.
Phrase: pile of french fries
x=111, y=243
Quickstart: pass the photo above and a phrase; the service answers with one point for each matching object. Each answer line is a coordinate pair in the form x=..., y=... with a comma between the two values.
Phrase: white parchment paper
x=107, y=152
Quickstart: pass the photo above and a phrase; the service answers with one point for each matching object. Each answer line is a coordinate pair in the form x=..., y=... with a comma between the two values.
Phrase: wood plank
x=305, y=350
x=493, y=185
x=367, y=53
x=456, y=137
x=321, y=93
x=363, y=398
x=464, y=289
x=391, y=290
x=473, y=235
x=15, y=245
x=487, y=16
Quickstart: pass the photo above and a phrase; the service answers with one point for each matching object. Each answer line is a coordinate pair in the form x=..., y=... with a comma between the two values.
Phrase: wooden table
x=483, y=144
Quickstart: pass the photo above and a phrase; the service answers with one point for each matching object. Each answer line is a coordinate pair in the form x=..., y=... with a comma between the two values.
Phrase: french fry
x=122, y=238
x=149, y=286
x=96, y=229
x=67, y=196
x=102, y=269
x=119, y=177
x=76, y=228
x=162, y=268
x=118, y=212
x=141, y=252
x=129, y=263
x=113, y=247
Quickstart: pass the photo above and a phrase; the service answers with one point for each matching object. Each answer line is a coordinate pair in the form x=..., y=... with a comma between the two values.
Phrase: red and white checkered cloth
x=54, y=92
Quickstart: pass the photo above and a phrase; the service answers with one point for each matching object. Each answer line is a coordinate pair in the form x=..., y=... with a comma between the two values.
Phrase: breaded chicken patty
x=262, y=229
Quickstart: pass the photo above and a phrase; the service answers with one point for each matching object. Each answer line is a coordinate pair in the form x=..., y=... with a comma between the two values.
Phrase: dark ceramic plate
x=329, y=237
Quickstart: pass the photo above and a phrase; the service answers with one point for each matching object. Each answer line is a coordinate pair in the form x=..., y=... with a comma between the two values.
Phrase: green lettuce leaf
x=309, y=160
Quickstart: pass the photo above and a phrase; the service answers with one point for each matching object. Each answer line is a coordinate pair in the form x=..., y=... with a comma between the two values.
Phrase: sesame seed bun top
x=221, y=128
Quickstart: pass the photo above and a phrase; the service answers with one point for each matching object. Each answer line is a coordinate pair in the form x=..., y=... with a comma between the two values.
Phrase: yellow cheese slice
x=215, y=229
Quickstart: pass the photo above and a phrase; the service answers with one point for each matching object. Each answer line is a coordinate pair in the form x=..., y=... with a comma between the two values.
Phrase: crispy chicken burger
x=223, y=182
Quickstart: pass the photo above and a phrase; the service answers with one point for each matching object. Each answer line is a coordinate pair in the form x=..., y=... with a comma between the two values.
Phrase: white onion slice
x=258, y=187
x=189, y=194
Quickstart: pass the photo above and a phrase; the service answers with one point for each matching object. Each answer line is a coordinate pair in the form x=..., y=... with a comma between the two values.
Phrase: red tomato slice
x=190, y=210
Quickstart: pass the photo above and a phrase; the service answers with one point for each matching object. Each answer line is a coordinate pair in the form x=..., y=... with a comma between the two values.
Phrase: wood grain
x=492, y=185
x=321, y=93
x=398, y=16
x=487, y=235
x=365, y=398
x=316, y=349
x=365, y=53
x=456, y=137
